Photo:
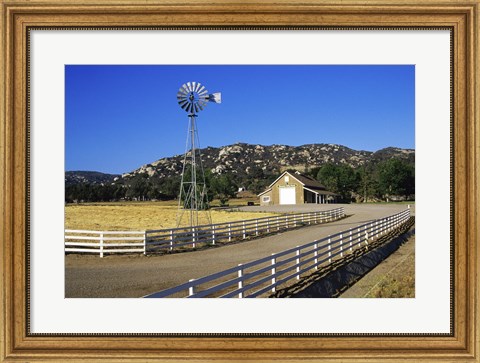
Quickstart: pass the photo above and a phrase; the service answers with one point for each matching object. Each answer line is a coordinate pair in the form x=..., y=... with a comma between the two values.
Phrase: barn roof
x=305, y=180
x=308, y=181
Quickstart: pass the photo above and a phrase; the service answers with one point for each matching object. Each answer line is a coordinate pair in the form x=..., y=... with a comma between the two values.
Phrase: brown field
x=117, y=216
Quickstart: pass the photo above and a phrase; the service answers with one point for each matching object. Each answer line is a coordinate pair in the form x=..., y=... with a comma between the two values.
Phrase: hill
x=247, y=166
x=248, y=160
x=89, y=177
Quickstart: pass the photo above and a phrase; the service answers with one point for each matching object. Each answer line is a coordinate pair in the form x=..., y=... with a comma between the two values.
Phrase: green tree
x=223, y=187
x=367, y=181
x=396, y=177
x=340, y=179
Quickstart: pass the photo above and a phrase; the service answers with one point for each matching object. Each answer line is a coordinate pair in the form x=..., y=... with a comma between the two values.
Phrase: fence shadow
x=331, y=281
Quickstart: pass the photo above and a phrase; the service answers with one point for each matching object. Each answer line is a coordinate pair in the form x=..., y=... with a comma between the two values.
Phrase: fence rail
x=163, y=240
x=264, y=275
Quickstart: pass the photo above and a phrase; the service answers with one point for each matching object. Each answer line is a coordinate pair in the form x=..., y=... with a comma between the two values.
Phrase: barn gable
x=295, y=188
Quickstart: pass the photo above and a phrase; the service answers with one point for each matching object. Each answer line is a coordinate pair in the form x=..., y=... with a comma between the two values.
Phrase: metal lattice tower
x=193, y=97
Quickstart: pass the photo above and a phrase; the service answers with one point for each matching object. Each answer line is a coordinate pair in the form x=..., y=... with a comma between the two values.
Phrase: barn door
x=287, y=195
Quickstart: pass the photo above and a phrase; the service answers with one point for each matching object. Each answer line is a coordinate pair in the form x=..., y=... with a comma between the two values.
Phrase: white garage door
x=287, y=195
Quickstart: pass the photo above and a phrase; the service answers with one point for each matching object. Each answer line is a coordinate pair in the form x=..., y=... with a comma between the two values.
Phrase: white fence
x=262, y=276
x=101, y=242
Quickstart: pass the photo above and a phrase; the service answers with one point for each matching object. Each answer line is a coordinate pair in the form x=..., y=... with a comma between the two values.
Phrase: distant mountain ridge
x=252, y=166
x=252, y=160
x=89, y=177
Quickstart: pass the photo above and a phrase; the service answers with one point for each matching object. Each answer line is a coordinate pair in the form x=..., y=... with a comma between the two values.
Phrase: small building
x=296, y=188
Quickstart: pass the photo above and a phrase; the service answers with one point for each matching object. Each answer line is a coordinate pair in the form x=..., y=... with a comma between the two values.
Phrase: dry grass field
x=124, y=216
x=399, y=282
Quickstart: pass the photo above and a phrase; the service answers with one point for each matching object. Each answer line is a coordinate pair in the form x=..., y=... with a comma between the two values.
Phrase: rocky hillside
x=228, y=169
x=89, y=177
x=253, y=161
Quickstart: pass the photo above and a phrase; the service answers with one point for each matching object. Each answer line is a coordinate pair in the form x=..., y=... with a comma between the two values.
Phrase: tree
x=340, y=179
x=223, y=187
x=367, y=181
x=138, y=187
x=396, y=177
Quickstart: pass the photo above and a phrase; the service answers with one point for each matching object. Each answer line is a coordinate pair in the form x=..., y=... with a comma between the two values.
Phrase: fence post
x=256, y=227
x=329, y=250
x=144, y=243
x=278, y=223
x=193, y=237
x=350, y=239
x=371, y=231
x=229, y=232
x=297, y=253
x=244, y=230
x=341, y=245
x=213, y=234
x=315, y=254
x=171, y=240
x=240, y=282
x=101, y=244
x=274, y=279
x=286, y=221
x=191, y=289
x=366, y=235
x=268, y=225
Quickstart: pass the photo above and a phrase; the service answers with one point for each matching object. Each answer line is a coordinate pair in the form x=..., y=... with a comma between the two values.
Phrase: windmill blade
x=195, y=106
x=181, y=96
x=189, y=85
x=197, y=87
x=185, y=106
x=182, y=102
x=182, y=90
x=184, y=86
x=194, y=86
x=202, y=90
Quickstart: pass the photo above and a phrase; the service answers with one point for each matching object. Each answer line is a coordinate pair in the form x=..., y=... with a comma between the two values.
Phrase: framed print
x=65, y=58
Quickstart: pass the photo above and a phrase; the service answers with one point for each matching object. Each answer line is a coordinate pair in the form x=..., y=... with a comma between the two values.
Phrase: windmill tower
x=192, y=200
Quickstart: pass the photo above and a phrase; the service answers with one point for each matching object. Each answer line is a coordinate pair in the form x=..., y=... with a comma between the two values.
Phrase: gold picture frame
x=19, y=345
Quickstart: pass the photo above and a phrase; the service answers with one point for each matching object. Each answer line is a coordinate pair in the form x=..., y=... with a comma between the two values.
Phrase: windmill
x=193, y=97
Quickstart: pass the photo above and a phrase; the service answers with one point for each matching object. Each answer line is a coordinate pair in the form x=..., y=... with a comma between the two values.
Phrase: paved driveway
x=135, y=276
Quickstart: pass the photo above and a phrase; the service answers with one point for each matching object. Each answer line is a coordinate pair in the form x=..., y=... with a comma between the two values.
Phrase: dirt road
x=138, y=275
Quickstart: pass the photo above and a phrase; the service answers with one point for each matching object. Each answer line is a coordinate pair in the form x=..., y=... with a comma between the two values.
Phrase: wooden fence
x=163, y=240
x=262, y=276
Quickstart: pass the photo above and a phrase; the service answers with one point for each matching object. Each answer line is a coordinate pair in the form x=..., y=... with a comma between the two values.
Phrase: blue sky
x=118, y=118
